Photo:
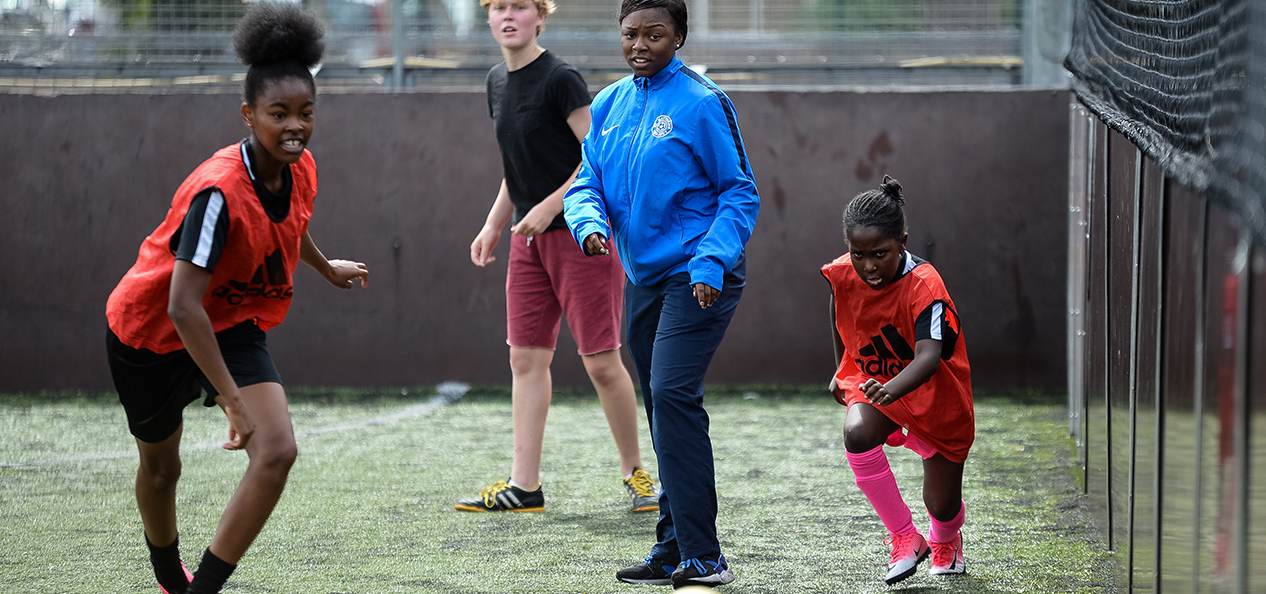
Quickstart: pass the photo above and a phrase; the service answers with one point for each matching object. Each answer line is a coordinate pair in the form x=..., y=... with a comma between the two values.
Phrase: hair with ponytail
x=880, y=209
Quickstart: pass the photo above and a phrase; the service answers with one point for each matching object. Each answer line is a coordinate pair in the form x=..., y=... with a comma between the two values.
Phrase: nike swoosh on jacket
x=671, y=183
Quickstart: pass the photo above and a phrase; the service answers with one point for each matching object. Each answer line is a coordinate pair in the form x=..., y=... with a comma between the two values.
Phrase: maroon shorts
x=549, y=277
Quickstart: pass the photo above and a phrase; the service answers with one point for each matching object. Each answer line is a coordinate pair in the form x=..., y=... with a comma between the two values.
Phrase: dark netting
x=1185, y=81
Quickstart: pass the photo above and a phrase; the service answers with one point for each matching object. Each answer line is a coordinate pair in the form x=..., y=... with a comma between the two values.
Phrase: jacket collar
x=660, y=78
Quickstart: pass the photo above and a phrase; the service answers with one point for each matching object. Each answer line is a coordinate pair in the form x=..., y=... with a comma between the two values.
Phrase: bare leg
x=615, y=392
x=865, y=428
x=942, y=487
x=531, y=391
x=156, y=487
x=272, y=451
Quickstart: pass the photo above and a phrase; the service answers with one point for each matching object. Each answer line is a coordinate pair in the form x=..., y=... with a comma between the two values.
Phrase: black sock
x=167, y=568
x=211, y=575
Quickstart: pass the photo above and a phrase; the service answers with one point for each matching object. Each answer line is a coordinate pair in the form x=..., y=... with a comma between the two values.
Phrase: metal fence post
x=397, y=44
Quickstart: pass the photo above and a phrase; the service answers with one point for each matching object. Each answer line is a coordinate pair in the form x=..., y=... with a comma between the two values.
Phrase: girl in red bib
x=902, y=370
x=190, y=314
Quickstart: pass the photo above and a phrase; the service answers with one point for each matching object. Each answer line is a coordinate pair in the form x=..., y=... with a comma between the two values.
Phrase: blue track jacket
x=665, y=164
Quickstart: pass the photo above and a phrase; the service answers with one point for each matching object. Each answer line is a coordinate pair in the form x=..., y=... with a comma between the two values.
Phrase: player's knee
x=161, y=476
x=518, y=363
x=278, y=456
x=525, y=362
x=603, y=371
x=679, y=399
x=859, y=438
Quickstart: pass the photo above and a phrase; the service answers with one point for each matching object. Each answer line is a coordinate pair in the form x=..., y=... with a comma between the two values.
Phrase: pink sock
x=946, y=531
x=874, y=478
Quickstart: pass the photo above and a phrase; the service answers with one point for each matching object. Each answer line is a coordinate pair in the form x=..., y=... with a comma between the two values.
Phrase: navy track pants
x=672, y=340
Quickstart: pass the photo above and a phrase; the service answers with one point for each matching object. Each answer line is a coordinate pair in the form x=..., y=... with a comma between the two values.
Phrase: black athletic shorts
x=154, y=389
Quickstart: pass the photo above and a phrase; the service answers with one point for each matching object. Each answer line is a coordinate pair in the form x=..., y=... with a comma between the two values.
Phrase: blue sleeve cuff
x=707, y=272
x=589, y=228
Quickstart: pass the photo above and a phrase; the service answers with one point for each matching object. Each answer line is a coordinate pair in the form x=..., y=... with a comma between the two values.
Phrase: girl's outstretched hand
x=481, y=248
x=342, y=272
x=240, y=427
x=876, y=393
x=596, y=245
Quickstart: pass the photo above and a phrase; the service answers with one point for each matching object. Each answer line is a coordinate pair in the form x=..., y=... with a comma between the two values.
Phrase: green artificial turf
x=369, y=505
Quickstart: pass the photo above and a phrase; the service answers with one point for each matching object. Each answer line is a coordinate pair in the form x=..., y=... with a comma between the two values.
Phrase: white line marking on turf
x=446, y=394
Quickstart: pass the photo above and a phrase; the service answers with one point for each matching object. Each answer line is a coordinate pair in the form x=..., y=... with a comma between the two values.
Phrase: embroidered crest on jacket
x=663, y=126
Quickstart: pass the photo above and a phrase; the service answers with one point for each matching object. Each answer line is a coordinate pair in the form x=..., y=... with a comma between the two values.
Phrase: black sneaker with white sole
x=650, y=571
x=502, y=496
x=711, y=570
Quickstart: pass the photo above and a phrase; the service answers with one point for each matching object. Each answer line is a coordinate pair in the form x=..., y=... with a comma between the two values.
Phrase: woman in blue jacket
x=665, y=173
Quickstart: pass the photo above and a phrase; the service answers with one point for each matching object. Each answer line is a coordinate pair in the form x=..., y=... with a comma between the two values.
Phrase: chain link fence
x=157, y=45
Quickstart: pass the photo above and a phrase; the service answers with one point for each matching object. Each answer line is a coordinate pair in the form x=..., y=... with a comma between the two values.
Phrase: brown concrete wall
x=407, y=180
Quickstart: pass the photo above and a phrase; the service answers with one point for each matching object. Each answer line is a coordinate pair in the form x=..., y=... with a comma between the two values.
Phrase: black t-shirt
x=530, y=107
x=200, y=239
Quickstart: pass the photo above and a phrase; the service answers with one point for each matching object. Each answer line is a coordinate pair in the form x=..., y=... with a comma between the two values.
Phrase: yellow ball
x=695, y=590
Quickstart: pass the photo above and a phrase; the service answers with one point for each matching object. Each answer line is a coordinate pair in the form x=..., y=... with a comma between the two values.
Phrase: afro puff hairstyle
x=276, y=41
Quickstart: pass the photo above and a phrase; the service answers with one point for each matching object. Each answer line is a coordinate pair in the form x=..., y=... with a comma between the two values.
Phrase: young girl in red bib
x=191, y=313
x=902, y=370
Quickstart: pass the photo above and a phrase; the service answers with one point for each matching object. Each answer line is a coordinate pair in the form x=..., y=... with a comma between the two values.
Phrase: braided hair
x=676, y=10
x=880, y=209
x=277, y=41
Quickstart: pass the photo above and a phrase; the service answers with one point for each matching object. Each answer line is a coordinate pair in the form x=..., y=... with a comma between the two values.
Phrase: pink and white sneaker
x=907, y=551
x=947, y=557
x=188, y=578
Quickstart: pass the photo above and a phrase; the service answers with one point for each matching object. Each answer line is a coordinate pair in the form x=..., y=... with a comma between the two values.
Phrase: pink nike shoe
x=947, y=557
x=907, y=551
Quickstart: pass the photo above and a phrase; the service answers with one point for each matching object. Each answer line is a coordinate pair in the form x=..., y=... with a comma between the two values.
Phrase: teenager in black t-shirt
x=540, y=106
x=532, y=108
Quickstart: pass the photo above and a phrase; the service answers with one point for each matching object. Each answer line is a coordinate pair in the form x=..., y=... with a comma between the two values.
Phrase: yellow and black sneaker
x=642, y=489
x=501, y=496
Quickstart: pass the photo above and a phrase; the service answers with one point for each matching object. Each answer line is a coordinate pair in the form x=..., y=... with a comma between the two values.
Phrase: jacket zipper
x=628, y=160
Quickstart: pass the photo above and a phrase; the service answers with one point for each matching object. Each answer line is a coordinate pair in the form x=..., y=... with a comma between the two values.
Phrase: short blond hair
x=542, y=6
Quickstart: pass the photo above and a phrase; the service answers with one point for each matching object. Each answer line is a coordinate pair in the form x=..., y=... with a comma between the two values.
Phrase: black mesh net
x=1186, y=81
